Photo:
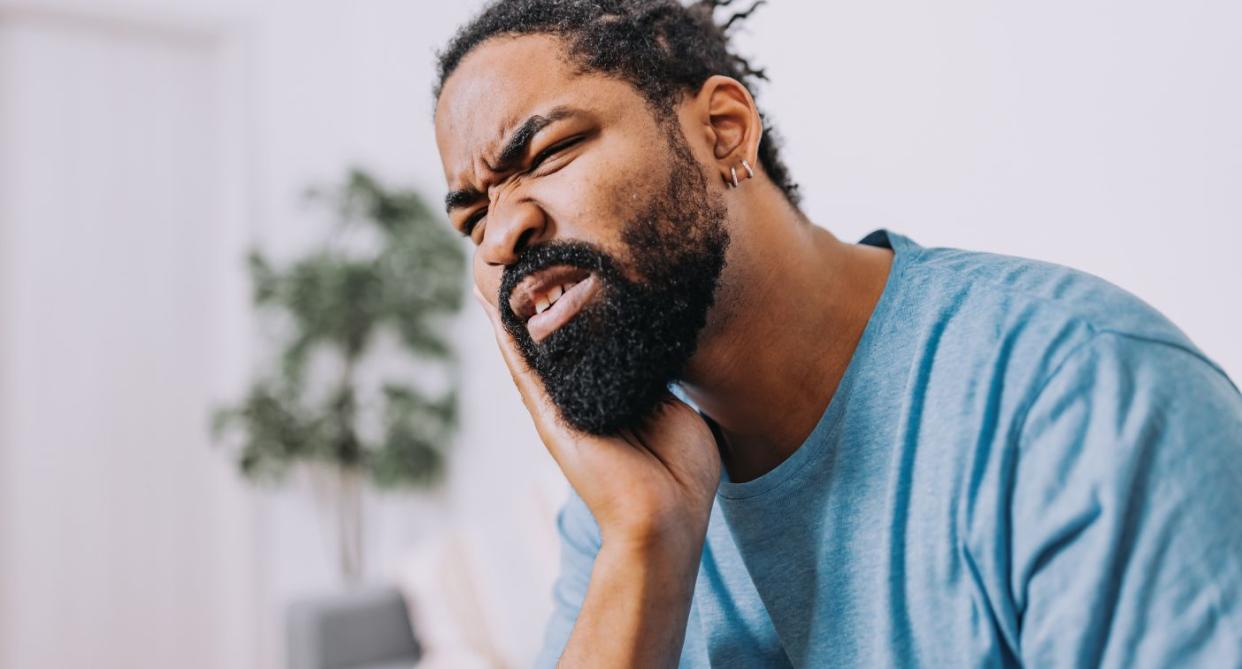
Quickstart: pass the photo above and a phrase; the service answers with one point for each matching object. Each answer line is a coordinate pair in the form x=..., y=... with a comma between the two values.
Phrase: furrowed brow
x=516, y=147
x=461, y=198
x=521, y=138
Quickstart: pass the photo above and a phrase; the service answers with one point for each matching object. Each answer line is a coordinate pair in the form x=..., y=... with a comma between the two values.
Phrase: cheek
x=596, y=200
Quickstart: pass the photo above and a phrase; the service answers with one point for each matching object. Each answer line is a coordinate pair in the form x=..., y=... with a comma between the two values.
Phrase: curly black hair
x=662, y=48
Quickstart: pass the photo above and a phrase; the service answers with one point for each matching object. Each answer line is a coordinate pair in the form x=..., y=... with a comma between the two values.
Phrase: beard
x=610, y=366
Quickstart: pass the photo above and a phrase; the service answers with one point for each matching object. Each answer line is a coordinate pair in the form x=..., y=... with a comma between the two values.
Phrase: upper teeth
x=549, y=298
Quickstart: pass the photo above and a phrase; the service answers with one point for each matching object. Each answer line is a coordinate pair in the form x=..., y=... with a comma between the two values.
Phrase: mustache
x=581, y=255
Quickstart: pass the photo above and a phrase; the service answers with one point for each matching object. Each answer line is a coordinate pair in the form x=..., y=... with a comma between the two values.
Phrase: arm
x=637, y=603
x=650, y=489
x=643, y=592
x=1127, y=518
x=584, y=566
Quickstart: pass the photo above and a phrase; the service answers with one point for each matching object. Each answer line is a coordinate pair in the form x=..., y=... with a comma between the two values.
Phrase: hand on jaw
x=641, y=484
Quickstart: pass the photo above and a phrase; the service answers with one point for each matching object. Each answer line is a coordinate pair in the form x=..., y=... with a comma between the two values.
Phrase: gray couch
x=362, y=629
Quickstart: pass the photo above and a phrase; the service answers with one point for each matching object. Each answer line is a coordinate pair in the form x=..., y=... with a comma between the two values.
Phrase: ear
x=733, y=126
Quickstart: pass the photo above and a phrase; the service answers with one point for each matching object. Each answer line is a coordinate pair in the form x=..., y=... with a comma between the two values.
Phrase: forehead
x=501, y=83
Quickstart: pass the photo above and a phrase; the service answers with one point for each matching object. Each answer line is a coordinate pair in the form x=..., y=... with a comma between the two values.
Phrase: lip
x=543, y=324
x=522, y=298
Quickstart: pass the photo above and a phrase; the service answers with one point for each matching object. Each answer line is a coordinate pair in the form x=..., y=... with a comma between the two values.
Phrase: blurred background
x=147, y=146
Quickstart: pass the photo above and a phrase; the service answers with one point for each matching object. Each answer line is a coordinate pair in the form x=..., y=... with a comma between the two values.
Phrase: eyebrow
x=512, y=152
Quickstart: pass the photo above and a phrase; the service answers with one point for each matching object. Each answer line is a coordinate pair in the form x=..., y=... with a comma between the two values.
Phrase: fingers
x=529, y=386
x=508, y=350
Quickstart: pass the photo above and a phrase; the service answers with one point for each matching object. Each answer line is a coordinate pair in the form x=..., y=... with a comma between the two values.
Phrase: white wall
x=1100, y=136
x=125, y=539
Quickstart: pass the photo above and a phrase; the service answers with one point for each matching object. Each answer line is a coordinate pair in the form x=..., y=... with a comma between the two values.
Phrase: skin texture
x=790, y=307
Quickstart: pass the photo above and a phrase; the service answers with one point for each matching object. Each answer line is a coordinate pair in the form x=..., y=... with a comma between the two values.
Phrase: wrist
x=664, y=537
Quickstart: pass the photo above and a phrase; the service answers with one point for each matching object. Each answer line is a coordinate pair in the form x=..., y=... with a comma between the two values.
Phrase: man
x=901, y=456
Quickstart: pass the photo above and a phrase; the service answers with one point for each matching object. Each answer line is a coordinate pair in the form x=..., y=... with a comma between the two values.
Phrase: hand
x=651, y=483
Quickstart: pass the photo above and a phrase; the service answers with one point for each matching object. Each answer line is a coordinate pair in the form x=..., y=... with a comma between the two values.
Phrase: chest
x=870, y=562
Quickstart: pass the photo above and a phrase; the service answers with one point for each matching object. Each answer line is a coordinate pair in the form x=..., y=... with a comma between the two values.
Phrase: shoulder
x=1040, y=290
x=1029, y=312
x=1037, y=338
x=1119, y=388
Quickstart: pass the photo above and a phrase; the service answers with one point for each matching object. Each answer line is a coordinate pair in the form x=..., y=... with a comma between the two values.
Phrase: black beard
x=608, y=368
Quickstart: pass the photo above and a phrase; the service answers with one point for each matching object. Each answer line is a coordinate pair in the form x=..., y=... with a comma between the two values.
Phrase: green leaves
x=335, y=301
x=415, y=433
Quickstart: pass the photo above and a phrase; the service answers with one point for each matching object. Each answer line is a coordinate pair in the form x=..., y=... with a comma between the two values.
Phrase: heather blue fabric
x=1023, y=465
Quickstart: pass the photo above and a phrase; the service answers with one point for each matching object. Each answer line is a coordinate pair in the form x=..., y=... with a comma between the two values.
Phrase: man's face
x=597, y=233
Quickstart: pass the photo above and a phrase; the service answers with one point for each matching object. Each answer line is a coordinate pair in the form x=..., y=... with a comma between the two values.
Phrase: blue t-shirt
x=1022, y=465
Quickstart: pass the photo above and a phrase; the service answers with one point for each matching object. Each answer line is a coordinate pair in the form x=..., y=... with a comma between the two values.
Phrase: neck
x=791, y=309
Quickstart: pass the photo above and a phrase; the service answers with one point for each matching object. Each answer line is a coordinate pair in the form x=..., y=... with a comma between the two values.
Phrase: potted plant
x=381, y=288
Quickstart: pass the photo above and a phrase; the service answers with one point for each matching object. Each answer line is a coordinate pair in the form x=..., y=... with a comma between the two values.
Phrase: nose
x=512, y=225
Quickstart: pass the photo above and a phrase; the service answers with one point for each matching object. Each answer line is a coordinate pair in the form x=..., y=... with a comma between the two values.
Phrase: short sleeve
x=1126, y=521
x=580, y=543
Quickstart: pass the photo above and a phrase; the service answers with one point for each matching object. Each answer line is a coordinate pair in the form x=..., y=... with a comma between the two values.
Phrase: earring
x=746, y=166
x=733, y=171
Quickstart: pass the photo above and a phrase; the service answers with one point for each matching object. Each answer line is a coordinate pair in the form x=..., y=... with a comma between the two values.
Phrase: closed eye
x=471, y=222
x=554, y=149
x=467, y=227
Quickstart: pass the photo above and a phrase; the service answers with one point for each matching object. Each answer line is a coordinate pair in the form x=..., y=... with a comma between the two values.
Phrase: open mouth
x=549, y=298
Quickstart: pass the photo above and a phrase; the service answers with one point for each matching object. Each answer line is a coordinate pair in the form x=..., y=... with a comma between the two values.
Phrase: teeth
x=550, y=298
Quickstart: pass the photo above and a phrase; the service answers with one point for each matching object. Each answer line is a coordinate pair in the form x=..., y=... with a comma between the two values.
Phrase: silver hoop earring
x=746, y=166
x=733, y=171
